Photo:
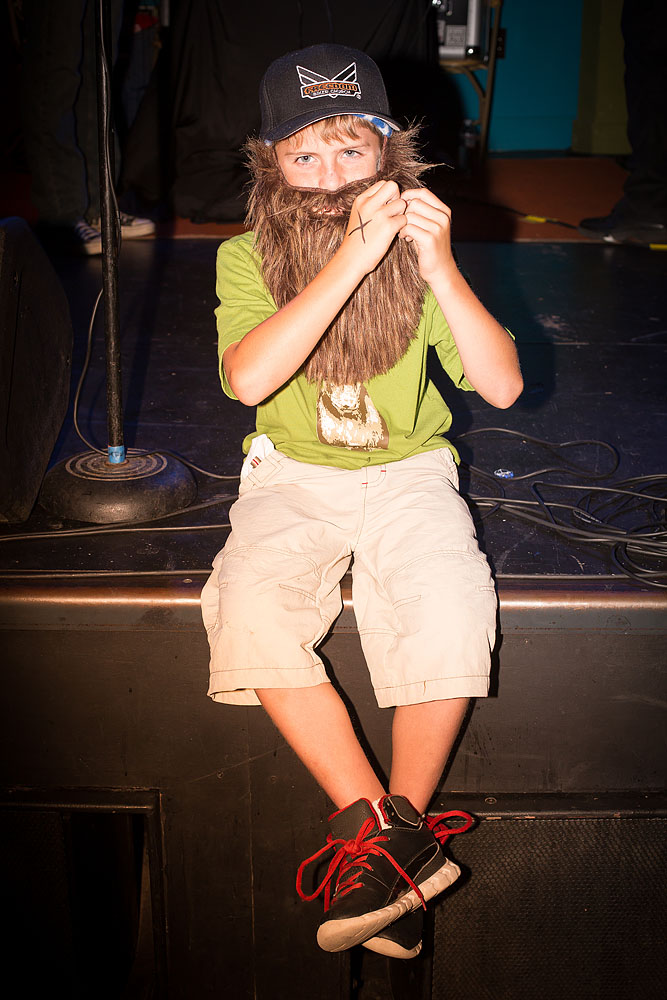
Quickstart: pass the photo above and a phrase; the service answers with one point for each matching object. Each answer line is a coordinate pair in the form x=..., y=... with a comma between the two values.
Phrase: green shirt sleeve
x=245, y=301
x=440, y=337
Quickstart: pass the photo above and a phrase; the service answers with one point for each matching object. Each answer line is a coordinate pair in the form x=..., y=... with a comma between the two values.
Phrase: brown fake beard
x=298, y=230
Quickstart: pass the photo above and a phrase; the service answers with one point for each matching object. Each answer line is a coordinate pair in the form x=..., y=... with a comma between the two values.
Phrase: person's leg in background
x=59, y=113
x=50, y=83
x=641, y=214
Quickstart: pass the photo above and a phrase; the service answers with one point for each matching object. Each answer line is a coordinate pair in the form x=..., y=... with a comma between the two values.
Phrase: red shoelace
x=441, y=831
x=351, y=856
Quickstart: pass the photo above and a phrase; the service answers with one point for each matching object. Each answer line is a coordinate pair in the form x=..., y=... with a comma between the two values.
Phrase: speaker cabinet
x=568, y=904
x=81, y=878
x=35, y=363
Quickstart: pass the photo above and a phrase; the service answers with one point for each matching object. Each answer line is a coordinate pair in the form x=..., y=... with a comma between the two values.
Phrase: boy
x=327, y=309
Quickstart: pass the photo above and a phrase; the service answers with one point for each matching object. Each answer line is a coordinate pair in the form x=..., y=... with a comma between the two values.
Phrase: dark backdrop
x=211, y=65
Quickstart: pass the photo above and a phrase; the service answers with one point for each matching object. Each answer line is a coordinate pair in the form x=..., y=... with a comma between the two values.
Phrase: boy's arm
x=487, y=351
x=274, y=350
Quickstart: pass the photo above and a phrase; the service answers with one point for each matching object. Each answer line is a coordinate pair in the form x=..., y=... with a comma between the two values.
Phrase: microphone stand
x=118, y=485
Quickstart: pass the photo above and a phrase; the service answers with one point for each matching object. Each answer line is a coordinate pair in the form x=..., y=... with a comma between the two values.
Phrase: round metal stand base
x=86, y=487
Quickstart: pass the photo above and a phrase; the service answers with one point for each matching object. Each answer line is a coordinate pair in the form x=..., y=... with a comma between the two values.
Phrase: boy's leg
x=426, y=611
x=316, y=724
x=422, y=739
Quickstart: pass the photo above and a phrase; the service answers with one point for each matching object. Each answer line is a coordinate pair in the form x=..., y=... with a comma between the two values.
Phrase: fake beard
x=298, y=230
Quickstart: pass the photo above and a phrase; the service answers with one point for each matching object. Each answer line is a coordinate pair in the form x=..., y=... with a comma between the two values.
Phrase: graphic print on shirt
x=348, y=418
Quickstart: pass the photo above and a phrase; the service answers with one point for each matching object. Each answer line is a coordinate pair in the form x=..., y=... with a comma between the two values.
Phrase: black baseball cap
x=318, y=82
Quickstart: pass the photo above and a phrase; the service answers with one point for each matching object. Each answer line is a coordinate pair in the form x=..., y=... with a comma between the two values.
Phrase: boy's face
x=308, y=161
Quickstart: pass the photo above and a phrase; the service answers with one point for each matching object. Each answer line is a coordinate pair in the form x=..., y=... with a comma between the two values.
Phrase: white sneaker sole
x=135, y=232
x=382, y=946
x=93, y=248
x=338, y=935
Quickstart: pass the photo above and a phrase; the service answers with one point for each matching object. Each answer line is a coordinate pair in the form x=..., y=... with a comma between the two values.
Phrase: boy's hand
x=429, y=228
x=377, y=216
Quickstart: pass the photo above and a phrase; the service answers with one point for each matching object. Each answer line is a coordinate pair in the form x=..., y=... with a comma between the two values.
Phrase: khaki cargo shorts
x=423, y=596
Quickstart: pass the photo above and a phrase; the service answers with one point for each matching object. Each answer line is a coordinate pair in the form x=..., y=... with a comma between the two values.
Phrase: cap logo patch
x=344, y=84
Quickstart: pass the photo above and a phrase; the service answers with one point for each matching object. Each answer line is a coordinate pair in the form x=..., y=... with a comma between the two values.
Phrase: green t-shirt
x=390, y=417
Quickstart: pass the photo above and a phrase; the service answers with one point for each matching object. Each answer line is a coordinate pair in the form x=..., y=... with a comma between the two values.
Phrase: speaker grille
x=37, y=936
x=553, y=908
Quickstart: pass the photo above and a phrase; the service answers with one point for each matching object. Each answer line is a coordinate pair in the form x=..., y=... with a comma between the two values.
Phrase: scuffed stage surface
x=590, y=322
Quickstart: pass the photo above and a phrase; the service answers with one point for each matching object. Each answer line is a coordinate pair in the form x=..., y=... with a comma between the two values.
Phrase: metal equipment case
x=463, y=29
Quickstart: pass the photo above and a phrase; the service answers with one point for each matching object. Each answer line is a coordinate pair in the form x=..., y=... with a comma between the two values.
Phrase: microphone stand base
x=87, y=487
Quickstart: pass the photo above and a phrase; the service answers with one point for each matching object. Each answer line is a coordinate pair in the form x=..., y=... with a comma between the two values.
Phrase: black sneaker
x=131, y=226
x=386, y=863
x=620, y=228
x=86, y=239
x=403, y=939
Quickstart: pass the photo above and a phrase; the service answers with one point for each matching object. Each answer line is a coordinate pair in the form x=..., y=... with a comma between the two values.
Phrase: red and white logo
x=344, y=84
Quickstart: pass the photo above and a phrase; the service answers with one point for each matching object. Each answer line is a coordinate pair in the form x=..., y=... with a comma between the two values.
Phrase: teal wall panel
x=537, y=83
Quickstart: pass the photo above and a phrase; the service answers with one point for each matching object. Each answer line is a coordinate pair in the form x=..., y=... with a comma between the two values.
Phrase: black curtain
x=217, y=53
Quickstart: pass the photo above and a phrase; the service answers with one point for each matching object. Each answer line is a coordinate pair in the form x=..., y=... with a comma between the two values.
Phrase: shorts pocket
x=262, y=474
x=210, y=602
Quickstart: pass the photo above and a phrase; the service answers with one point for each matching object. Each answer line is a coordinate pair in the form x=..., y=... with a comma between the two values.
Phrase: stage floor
x=590, y=325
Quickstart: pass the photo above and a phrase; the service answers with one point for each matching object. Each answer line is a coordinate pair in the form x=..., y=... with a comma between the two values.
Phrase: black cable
x=626, y=505
x=491, y=479
x=594, y=518
x=70, y=574
x=133, y=452
x=604, y=531
x=646, y=540
x=190, y=465
x=118, y=529
x=128, y=526
x=553, y=447
x=523, y=216
x=637, y=573
x=82, y=378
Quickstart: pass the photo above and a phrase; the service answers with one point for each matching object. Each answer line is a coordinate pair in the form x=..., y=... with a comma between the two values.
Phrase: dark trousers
x=644, y=25
x=59, y=107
